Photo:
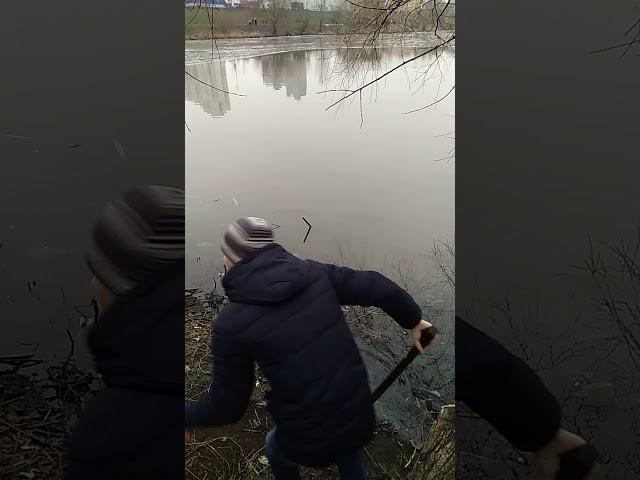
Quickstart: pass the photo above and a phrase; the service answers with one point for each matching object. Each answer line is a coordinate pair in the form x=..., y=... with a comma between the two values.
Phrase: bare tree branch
x=377, y=79
x=626, y=45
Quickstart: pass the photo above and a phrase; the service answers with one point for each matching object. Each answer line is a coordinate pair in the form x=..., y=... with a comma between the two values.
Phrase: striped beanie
x=245, y=236
x=139, y=239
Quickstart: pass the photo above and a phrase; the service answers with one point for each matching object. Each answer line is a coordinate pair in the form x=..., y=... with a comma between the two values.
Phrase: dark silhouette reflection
x=357, y=65
x=286, y=69
x=376, y=56
x=324, y=60
x=209, y=88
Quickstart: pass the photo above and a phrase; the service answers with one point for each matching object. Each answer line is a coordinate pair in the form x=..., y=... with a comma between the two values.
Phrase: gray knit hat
x=246, y=236
x=139, y=239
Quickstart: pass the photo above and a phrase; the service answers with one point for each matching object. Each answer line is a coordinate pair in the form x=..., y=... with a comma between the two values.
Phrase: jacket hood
x=271, y=275
x=138, y=343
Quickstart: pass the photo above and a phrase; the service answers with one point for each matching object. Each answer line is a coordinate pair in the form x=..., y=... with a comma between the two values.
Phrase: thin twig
x=431, y=104
x=211, y=86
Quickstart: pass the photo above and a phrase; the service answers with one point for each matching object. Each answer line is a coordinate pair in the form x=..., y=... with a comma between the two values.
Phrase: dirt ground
x=236, y=452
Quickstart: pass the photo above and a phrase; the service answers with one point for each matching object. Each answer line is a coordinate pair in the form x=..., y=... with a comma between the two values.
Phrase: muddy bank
x=406, y=412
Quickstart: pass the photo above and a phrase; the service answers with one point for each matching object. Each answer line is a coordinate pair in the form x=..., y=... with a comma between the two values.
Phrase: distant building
x=297, y=6
x=246, y=3
x=320, y=5
x=209, y=3
x=277, y=3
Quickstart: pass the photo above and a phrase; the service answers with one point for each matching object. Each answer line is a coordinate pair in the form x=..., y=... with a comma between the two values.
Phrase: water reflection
x=324, y=66
x=280, y=134
x=206, y=85
x=288, y=70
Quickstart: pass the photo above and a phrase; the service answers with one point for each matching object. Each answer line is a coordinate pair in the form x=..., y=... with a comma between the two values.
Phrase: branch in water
x=432, y=103
x=626, y=45
x=72, y=344
x=308, y=231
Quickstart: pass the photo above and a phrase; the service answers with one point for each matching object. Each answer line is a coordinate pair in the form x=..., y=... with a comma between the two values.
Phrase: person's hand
x=547, y=460
x=416, y=332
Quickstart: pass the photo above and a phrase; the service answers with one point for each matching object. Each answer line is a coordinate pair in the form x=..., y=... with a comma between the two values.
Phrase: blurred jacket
x=285, y=315
x=134, y=427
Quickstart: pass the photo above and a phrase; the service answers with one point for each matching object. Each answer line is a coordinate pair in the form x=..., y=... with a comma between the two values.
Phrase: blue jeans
x=350, y=467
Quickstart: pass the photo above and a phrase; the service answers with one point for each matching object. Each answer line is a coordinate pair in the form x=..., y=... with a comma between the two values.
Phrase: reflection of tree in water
x=371, y=56
x=349, y=66
x=214, y=97
x=286, y=69
x=355, y=66
x=324, y=62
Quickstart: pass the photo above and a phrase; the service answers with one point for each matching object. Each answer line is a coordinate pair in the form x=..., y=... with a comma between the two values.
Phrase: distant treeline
x=252, y=22
x=258, y=22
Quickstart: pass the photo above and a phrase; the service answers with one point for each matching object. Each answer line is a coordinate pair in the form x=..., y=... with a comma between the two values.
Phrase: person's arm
x=372, y=289
x=511, y=397
x=230, y=391
x=504, y=390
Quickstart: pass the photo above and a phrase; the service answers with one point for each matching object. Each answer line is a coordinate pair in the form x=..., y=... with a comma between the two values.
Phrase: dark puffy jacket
x=285, y=315
x=504, y=390
x=134, y=427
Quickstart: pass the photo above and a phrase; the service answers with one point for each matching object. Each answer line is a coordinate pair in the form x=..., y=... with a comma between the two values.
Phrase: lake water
x=68, y=146
x=372, y=180
x=376, y=183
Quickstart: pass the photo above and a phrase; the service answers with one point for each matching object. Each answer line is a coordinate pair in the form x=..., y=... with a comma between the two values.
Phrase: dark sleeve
x=504, y=390
x=230, y=391
x=371, y=289
x=78, y=471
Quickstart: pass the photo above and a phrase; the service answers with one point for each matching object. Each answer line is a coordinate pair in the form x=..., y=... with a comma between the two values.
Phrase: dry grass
x=234, y=23
x=36, y=413
x=234, y=452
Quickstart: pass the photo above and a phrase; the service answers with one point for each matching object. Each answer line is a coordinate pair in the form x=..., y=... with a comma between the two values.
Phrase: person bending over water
x=284, y=314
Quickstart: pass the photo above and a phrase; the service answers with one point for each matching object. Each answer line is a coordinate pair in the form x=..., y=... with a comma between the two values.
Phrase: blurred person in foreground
x=133, y=427
x=509, y=395
x=284, y=314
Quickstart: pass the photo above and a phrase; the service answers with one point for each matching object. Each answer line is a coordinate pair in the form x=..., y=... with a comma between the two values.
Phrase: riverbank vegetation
x=206, y=23
x=38, y=407
x=277, y=18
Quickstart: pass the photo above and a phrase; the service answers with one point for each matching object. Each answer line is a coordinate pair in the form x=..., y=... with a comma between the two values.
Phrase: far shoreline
x=244, y=36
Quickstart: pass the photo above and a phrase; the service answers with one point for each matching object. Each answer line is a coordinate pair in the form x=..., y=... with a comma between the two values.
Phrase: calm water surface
x=371, y=180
